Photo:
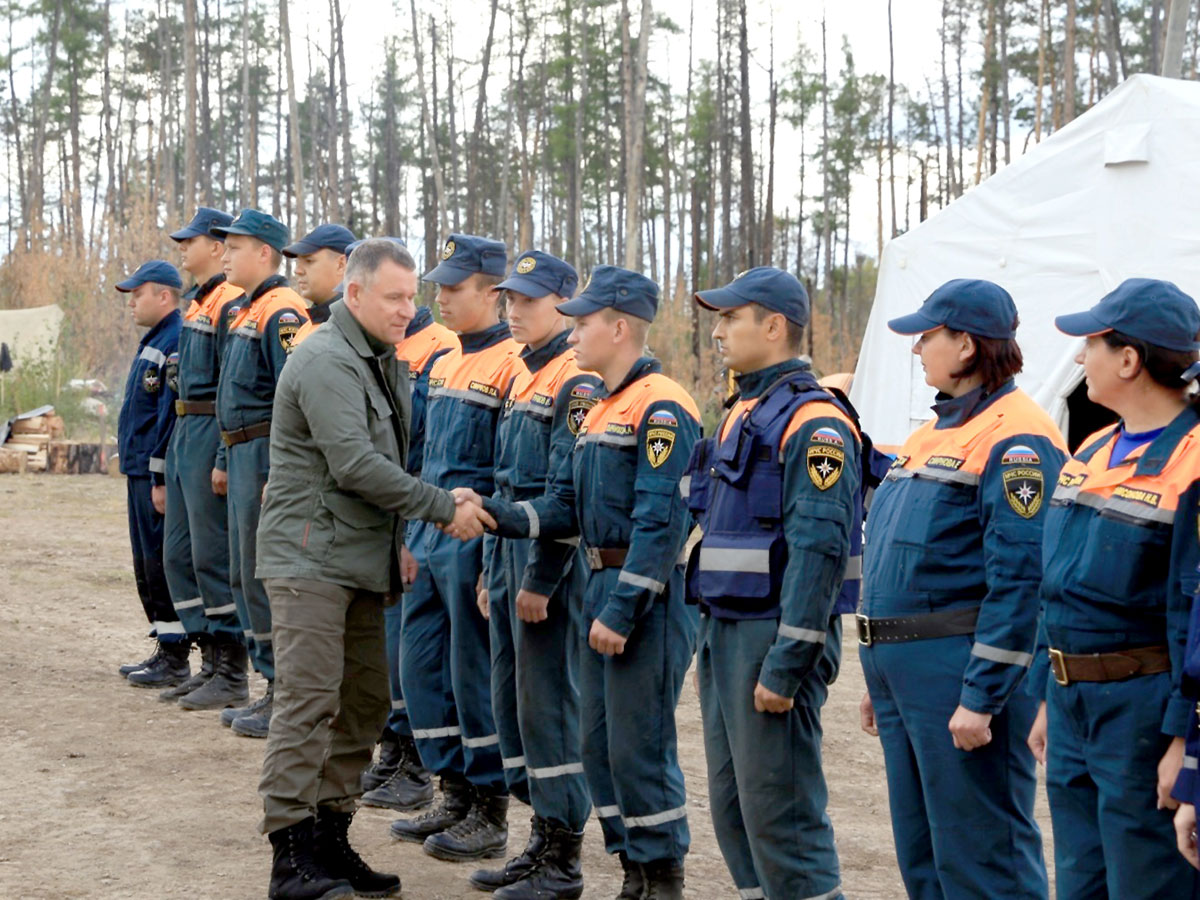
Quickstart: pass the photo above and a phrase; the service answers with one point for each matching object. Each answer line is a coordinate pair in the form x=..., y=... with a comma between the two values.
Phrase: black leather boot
x=169, y=669
x=408, y=787
x=257, y=720
x=517, y=867
x=664, y=880
x=483, y=834
x=383, y=768
x=331, y=839
x=208, y=665
x=228, y=685
x=557, y=874
x=633, y=886
x=295, y=872
x=457, y=797
x=128, y=668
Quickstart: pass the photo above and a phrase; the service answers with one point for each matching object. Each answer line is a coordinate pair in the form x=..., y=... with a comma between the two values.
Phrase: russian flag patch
x=829, y=436
x=1020, y=455
x=662, y=417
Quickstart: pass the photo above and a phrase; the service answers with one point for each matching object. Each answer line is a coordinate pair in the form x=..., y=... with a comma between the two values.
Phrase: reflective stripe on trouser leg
x=248, y=465
x=501, y=622
x=456, y=567
x=972, y=832
x=177, y=546
x=1109, y=837
x=594, y=742
x=547, y=685
x=146, y=540
x=397, y=721
x=641, y=689
x=425, y=672
x=782, y=807
x=330, y=698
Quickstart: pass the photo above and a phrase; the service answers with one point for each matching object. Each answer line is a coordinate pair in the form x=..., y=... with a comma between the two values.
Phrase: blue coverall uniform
x=143, y=434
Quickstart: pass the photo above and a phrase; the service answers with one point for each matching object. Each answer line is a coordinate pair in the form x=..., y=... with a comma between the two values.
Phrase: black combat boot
x=331, y=842
x=517, y=867
x=633, y=887
x=483, y=834
x=457, y=797
x=208, y=665
x=664, y=880
x=228, y=686
x=128, y=669
x=295, y=872
x=557, y=874
x=408, y=787
x=389, y=759
x=169, y=669
x=256, y=721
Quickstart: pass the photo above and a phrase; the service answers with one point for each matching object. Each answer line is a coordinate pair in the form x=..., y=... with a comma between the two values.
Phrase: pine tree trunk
x=748, y=252
x=635, y=128
x=1069, y=66
x=430, y=137
x=891, y=135
x=347, y=217
x=190, y=176
x=297, y=153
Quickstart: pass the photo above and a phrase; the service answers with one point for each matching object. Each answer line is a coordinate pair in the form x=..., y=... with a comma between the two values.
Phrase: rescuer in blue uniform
x=259, y=343
x=320, y=267
x=948, y=623
x=535, y=628
x=444, y=658
x=197, y=528
x=1119, y=560
x=620, y=493
x=143, y=433
x=776, y=493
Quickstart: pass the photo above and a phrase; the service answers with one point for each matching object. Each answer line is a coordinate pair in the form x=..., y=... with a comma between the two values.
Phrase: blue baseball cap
x=612, y=287
x=978, y=307
x=1150, y=310
x=354, y=245
x=536, y=274
x=769, y=287
x=464, y=255
x=202, y=222
x=156, y=271
x=256, y=224
x=323, y=237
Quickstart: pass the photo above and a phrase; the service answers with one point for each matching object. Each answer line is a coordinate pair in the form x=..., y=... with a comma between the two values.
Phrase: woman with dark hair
x=948, y=622
x=1119, y=558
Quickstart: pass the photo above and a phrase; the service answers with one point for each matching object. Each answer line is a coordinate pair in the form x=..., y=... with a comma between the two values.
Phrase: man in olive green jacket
x=330, y=554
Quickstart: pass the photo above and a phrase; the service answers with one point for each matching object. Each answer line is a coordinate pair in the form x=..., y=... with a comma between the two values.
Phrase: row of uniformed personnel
x=576, y=463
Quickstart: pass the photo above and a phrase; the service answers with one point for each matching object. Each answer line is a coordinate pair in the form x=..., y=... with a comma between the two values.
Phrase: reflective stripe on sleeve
x=1000, y=655
x=641, y=581
x=802, y=634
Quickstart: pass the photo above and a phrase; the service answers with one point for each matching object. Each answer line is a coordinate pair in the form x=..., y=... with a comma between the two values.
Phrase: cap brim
x=719, y=298
x=580, y=306
x=300, y=248
x=444, y=273
x=915, y=323
x=222, y=231
x=189, y=232
x=523, y=285
x=1081, y=324
x=128, y=285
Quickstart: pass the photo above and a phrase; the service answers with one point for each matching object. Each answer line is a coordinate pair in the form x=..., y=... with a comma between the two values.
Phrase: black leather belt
x=897, y=629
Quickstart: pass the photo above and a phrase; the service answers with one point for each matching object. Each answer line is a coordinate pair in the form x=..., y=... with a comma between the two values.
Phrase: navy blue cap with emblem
x=354, y=245
x=256, y=224
x=324, y=237
x=1150, y=310
x=612, y=287
x=973, y=305
x=465, y=255
x=205, y=219
x=156, y=271
x=536, y=274
x=769, y=287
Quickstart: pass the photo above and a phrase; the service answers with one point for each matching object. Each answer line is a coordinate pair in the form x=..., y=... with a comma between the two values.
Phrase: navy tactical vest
x=735, y=489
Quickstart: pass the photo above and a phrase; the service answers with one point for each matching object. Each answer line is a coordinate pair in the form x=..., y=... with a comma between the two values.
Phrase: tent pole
x=1177, y=22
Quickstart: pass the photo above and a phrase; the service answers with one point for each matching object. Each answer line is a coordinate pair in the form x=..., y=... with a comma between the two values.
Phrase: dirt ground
x=108, y=793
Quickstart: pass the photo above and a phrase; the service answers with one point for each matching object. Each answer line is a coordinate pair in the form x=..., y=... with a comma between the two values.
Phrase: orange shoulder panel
x=658, y=388
x=277, y=300
x=817, y=409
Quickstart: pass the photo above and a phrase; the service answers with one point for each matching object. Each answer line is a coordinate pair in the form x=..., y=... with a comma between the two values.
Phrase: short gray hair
x=368, y=256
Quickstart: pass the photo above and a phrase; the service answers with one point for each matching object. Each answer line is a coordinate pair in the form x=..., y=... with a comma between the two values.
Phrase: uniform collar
x=647, y=365
x=481, y=340
x=161, y=325
x=752, y=384
x=319, y=312
x=1154, y=458
x=203, y=290
x=952, y=412
x=422, y=320
x=275, y=281
x=552, y=349
x=364, y=344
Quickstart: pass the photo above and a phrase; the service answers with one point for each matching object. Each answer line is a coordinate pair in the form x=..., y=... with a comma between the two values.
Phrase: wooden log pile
x=38, y=444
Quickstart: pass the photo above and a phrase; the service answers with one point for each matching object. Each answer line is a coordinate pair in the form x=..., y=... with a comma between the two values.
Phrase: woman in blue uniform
x=948, y=621
x=1120, y=556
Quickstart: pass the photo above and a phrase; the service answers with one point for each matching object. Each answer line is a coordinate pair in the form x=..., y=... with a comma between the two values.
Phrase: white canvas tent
x=1113, y=195
x=31, y=334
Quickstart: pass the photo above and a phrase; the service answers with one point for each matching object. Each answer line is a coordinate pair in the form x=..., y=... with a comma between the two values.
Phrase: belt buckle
x=179, y=407
x=1058, y=667
x=592, y=554
x=863, y=624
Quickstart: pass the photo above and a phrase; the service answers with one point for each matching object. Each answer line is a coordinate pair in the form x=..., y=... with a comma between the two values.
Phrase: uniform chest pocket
x=474, y=434
x=935, y=514
x=1126, y=562
x=197, y=358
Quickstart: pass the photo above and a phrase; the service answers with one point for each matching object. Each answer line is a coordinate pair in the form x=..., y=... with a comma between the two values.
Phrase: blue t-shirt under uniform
x=1127, y=442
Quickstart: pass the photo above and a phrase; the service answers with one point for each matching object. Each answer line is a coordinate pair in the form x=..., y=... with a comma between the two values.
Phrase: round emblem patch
x=173, y=372
x=151, y=380
x=448, y=250
x=527, y=265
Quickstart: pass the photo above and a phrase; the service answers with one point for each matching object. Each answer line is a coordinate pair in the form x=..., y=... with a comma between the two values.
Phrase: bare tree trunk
x=1005, y=108
x=891, y=135
x=41, y=116
x=768, y=238
x=16, y=121
x=635, y=128
x=827, y=198
x=347, y=152
x=577, y=250
x=985, y=93
x=245, y=195
x=285, y=35
x=453, y=194
x=1115, y=74
x=1069, y=66
x=946, y=103
x=748, y=252
x=685, y=191
x=189, y=113
x=430, y=137
x=1177, y=23
x=474, y=204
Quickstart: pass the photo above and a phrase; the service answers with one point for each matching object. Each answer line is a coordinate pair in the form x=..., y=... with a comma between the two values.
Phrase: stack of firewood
x=36, y=443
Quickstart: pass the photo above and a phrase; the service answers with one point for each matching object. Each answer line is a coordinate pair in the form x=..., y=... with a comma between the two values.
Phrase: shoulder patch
x=1024, y=489
x=151, y=380
x=945, y=462
x=660, y=442
x=289, y=318
x=577, y=408
x=231, y=312
x=1020, y=455
x=825, y=463
x=172, y=371
x=287, y=335
x=827, y=435
x=583, y=391
x=663, y=417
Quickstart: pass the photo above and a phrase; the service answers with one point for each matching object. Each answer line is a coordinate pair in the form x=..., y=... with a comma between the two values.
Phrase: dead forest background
x=564, y=129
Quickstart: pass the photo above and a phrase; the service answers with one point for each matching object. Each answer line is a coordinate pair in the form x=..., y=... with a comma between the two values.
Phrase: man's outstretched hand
x=470, y=519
